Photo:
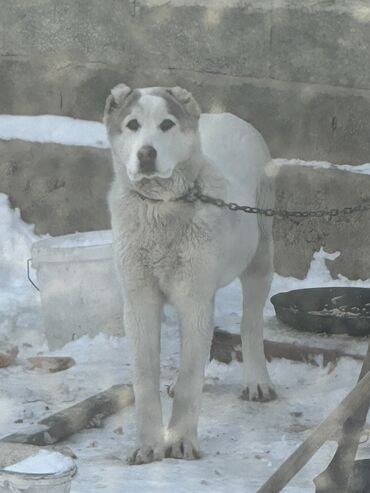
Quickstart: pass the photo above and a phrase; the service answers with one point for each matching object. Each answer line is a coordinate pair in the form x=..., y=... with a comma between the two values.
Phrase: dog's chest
x=160, y=247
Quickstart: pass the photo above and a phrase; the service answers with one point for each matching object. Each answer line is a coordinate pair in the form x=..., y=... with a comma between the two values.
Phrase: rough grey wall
x=300, y=187
x=299, y=71
x=58, y=188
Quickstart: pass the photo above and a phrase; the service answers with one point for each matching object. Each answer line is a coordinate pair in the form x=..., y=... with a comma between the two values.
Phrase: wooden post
x=337, y=476
x=356, y=398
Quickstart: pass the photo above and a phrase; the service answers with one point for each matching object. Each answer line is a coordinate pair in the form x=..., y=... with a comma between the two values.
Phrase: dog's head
x=151, y=130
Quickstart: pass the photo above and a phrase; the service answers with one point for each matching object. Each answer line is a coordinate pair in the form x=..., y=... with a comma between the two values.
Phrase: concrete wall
x=298, y=70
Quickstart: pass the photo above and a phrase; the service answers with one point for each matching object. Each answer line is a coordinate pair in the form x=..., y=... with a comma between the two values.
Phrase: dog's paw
x=144, y=455
x=261, y=392
x=183, y=448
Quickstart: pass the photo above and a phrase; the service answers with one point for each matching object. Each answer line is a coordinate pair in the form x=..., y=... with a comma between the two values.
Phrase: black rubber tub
x=343, y=310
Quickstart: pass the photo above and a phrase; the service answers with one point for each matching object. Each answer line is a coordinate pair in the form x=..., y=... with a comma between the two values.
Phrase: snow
x=55, y=129
x=363, y=169
x=19, y=305
x=44, y=462
x=242, y=442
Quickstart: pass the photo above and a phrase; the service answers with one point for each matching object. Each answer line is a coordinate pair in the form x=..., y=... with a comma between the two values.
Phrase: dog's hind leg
x=142, y=309
x=195, y=317
x=256, y=282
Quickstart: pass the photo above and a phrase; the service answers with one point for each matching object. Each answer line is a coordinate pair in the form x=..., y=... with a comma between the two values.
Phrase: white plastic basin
x=79, y=291
x=20, y=478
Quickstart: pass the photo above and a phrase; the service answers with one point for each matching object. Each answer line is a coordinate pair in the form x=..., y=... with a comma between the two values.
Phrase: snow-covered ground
x=242, y=442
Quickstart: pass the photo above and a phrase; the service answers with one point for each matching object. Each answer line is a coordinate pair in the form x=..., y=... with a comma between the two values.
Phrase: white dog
x=172, y=251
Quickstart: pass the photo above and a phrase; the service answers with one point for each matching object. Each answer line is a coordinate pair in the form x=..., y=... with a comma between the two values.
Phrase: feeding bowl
x=335, y=310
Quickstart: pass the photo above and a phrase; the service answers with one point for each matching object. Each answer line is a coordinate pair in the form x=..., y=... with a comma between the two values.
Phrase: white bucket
x=15, y=482
x=79, y=290
x=26, y=482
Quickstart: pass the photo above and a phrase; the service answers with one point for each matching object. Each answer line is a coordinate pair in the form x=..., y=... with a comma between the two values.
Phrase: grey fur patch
x=115, y=117
x=175, y=108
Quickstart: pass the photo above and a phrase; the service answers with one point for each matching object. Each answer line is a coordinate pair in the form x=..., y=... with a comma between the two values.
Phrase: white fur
x=181, y=253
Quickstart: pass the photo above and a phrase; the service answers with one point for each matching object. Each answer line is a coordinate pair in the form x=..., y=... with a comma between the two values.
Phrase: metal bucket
x=17, y=482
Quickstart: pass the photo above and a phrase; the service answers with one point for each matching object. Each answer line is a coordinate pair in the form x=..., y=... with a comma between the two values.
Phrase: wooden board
x=227, y=346
x=338, y=476
x=354, y=400
x=75, y=418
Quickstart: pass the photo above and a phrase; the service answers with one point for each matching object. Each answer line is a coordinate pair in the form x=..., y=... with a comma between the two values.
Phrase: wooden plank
x=226, y=346
x=338, y=475
x=323, y=432
x=75, y=418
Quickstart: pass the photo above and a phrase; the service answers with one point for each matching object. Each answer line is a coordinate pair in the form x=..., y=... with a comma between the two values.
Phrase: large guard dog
x=171, y=251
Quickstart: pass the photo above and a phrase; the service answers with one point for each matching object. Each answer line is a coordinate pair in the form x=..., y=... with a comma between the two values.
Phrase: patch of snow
x=44, y=462
x=19, y=302
x=363, y=169
x=55, y=129
x=16, y=239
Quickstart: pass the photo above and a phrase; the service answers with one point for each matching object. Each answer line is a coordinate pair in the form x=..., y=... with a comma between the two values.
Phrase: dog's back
x=238, y=151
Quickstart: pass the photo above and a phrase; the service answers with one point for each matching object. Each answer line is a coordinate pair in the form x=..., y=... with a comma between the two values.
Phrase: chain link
x=195, y=193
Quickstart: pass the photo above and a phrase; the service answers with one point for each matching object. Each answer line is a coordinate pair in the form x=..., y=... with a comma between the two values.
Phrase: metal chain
x=195, y=193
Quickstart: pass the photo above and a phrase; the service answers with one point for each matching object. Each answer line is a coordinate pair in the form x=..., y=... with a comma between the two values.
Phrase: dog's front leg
x=196, y=326
x=142, y=309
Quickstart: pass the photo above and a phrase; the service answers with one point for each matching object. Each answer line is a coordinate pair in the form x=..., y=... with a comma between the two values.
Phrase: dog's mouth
x=149, y=176
x=155, y=184
x=159, y=187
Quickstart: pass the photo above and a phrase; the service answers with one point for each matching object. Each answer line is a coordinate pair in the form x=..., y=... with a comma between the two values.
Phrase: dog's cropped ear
x=186, y=99
x=115, y=99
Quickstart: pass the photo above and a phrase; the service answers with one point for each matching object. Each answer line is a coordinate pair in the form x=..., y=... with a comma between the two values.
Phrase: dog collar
x=191, y=195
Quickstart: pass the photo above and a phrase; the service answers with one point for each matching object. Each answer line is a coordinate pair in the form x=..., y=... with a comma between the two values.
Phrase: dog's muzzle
x=147, y=160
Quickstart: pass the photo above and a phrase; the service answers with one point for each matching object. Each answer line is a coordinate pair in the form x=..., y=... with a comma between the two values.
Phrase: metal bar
x=29, y=275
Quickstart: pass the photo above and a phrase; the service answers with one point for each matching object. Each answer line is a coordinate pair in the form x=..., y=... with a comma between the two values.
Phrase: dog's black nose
x=147, y=153
x=147, y=156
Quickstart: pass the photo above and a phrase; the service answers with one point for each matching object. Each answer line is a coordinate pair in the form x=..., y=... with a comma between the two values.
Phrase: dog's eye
x=166, y=125
x=133, y=125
